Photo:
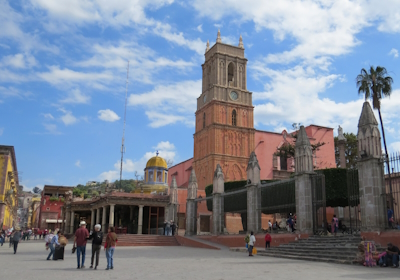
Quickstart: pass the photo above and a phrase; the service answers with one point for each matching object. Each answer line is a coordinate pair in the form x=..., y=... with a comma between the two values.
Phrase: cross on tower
x=157, y=153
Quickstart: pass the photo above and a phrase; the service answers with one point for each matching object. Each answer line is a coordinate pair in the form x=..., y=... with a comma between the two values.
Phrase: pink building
x=272, y=165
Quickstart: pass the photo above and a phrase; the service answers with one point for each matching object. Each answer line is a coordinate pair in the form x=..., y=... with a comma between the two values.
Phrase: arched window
x=234, y=117
x=230, y=72
x=204, y=120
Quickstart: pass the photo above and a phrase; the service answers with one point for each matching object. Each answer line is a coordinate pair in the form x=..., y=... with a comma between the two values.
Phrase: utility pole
x=123, y=132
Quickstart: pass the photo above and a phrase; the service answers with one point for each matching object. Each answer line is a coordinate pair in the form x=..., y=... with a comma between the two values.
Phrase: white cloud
x=394, y=147
x=200, y=28
x=166, y=150
x=394, y=52
x=78, y=163
x=10, y=22
x=75, y=96
x=48, y=116
x=18, y=61
x=107, y=115
x=51, y=128
x=68, y=118
x=168, y=104
x=64, y=77
x=143, y=61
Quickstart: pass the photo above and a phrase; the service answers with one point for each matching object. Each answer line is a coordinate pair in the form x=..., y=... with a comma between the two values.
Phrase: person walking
x=97, y=237
x=109, y=247
x=268, y=240
x=81, y=236
x=52, y=245
x=173, y=228
x=252, y=242
x=334, y=225
x=16, y=238
x=2, y=237
x=167, y=228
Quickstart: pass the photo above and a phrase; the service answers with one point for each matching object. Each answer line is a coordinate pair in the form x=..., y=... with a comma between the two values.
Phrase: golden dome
x=157, y=162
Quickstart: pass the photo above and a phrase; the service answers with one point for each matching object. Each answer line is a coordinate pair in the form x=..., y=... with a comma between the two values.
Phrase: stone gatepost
x=370, y=172
x=304, y=170
x=218, y=202
x=342, y=147
x=173, y=201
x=191, y=211
x=253, y=194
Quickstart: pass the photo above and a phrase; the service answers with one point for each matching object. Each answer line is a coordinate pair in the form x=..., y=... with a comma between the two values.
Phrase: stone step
x=323, y=258
x=145, y=240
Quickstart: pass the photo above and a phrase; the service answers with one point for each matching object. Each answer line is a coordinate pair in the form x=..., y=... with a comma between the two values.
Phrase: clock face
x=204, y=98
x=234, y=95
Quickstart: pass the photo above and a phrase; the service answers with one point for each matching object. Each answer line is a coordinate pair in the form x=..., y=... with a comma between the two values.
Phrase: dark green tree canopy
x=350, y=151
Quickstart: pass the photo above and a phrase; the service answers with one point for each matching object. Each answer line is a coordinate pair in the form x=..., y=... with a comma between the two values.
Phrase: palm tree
x=375, y=85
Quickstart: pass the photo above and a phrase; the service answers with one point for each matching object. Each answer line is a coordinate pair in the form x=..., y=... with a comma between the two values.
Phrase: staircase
x=340, y=249
x=145, y=240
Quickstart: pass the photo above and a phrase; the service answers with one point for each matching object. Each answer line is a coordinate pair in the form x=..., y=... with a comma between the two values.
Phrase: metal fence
x=278, y=201
x=352, y=223
x=392, y=184
x=235, y=211
x=319, y=204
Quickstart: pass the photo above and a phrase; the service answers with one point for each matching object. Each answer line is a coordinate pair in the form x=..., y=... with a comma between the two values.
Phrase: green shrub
x=53, y=198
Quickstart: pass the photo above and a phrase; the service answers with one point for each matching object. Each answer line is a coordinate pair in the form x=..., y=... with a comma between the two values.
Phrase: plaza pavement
x=164, y=263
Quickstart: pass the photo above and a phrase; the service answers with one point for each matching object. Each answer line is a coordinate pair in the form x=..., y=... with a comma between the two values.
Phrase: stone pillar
x=191, y=209
x=140, y=220
x=253, y=195
x=98, y=216
x=173, y=200
x=370, y=172
x=218, y=202
x=111, y=218
x=67, y=221
x=304, y=171
x=103, y=221
x=342, y=147
x=92, y=220
x=71, y=226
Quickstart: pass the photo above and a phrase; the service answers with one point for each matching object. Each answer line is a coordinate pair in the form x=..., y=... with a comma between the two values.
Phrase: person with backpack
x=97, y=237
x=52, y=244
x=268, y=240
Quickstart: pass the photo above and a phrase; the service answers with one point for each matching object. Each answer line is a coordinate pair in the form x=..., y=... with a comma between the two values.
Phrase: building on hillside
x=141, y=212
x=9, y=185
x=225, y=133
x=91, y=183
x=52, y=201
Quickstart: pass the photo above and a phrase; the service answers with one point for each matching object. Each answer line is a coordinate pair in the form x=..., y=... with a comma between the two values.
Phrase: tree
x=36, y=190
x=350, y=151
x=375, y=84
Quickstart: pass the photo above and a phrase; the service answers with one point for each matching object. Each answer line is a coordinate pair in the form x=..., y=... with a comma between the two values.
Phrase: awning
x=54, y=221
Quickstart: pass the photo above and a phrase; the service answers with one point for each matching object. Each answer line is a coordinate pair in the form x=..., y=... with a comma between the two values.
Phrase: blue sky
x=63, y=72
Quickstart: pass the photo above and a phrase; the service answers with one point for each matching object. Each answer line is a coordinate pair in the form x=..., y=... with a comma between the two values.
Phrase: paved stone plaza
x=175, y=263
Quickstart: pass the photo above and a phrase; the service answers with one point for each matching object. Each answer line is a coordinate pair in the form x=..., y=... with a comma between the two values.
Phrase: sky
x=63, y=73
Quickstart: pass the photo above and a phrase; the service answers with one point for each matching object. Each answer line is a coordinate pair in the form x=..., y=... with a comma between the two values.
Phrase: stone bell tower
x=224, y=117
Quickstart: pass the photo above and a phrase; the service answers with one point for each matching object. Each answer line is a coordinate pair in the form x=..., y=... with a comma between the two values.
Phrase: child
x=267, y=241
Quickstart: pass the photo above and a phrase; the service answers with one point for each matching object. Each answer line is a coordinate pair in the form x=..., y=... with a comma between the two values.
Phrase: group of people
x=82, y=235
x=290, y=224
x=169, y=228
x=14, y=236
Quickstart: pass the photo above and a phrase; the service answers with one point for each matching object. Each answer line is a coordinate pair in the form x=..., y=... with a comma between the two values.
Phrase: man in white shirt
x=252, y=242
x=270, y=226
